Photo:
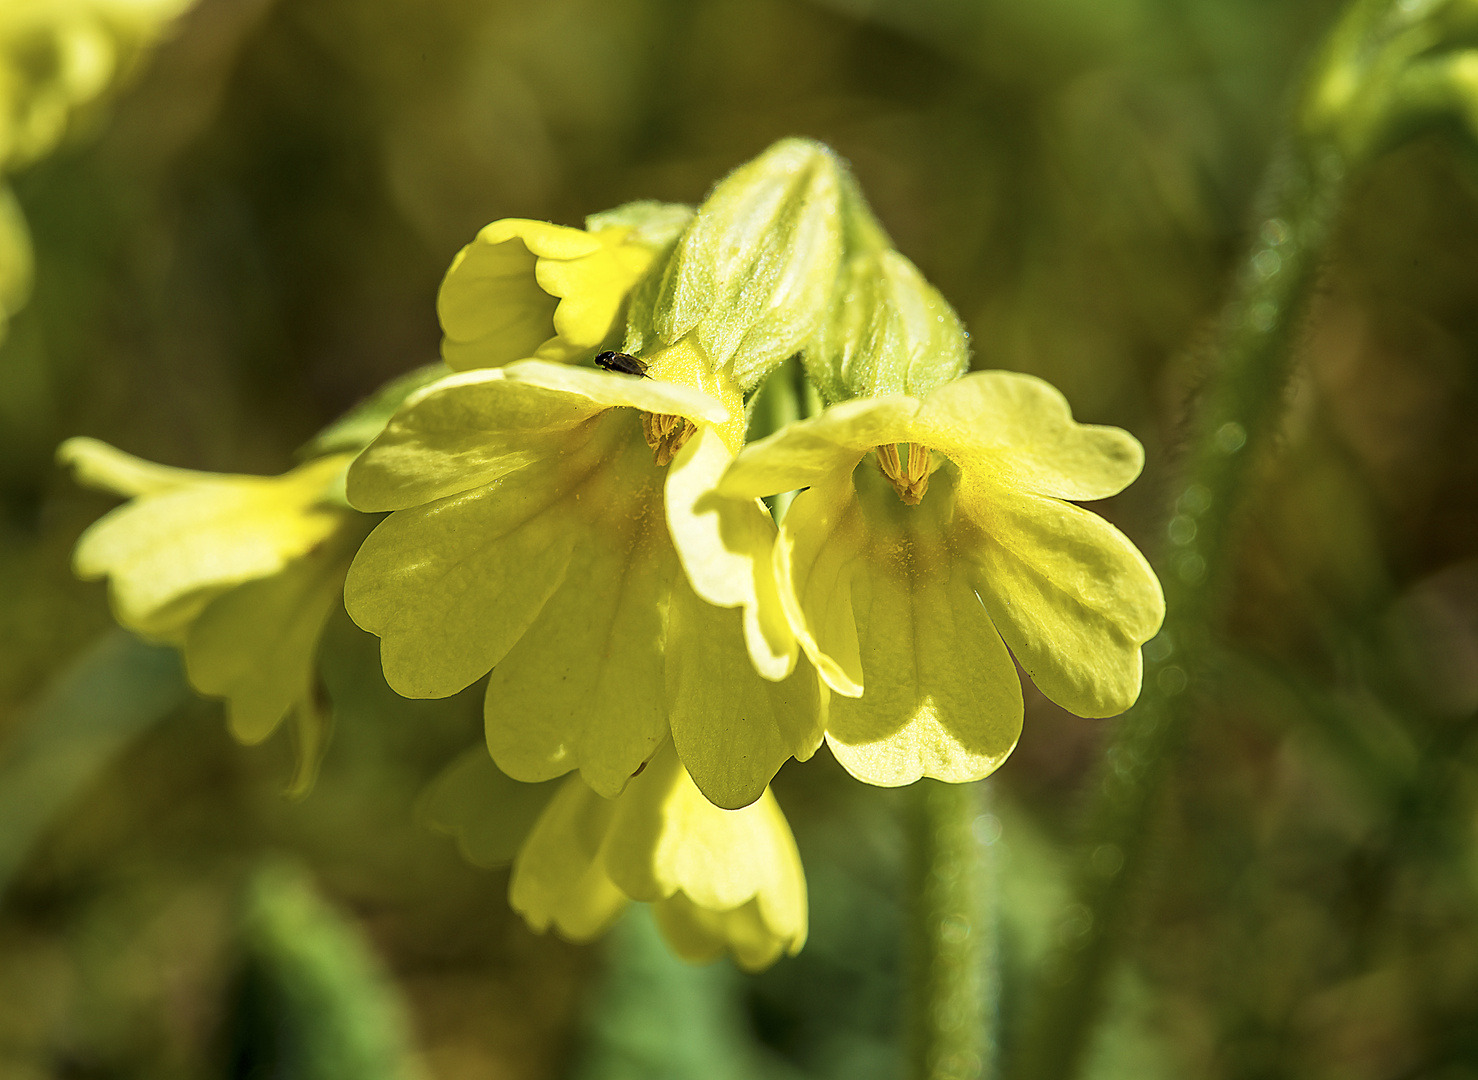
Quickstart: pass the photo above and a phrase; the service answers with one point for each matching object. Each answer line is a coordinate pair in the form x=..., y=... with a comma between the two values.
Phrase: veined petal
x=733, y=729
x=665, y=837
x=460, y=433
x=943, y=698
x=725, y=546
x=257, y=645
x=583, y=688
x=816, y=554
x=166, y=554
x=451, y=586
x=803, y=454
x=1071, y=595
x=1020, y=430
x=558, y=879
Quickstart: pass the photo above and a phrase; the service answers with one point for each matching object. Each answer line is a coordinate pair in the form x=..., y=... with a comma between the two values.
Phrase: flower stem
x=955, y=959
x=1240, y=404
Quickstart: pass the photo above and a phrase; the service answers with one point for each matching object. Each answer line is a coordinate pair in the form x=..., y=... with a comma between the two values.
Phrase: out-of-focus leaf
x=312, y=1000
x=110, y=693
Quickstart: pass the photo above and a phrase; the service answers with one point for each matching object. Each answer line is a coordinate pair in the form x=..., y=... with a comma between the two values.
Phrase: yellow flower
x=531, y=289
x=932, y=530
x=719, y=880
x=529, y=537
x=241, y=572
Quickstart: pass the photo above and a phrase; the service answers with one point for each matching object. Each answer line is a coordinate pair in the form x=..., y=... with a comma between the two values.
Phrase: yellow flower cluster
x=597, y=545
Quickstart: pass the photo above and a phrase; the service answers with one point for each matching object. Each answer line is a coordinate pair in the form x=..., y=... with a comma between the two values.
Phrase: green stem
x=955, y=958
x=1240, y=404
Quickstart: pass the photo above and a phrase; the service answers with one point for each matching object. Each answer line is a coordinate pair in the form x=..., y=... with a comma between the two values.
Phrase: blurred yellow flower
x=529, y=537
x=720, y=880
x=932, y=530
x=240, y=572
x=531, y=289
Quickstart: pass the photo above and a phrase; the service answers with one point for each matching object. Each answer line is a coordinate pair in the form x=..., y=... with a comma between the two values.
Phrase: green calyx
x=785, y=259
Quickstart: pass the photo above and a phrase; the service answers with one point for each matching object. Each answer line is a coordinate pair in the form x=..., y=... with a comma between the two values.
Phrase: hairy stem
x=1240, y=404
x=955, y=959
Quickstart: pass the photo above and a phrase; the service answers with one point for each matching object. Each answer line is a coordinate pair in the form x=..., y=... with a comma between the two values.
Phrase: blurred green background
x=247, y=237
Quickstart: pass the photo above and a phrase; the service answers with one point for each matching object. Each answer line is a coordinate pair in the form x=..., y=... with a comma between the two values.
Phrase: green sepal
x=753, y=273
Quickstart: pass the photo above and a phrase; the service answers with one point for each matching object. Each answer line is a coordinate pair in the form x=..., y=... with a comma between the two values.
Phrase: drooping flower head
x=933, y=535
x=529, y=537
x=240, y=572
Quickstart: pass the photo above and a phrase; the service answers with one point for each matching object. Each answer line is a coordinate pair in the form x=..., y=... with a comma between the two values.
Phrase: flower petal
x=451, y=586
x=943, y=698
x=820, y=543
x=97, y=465
x=491, y=307
x=699, y=935
x=1070, y=594
x=460, y=433
x=802, y=454
x=726, y=546
x=584, y=687
x=557, y=877
x=1020, y=429
x=733, y=729
x=606, y=388
x=490, y=814
x=257, y=645
x=594, y=287
x=665, y=837
x=167, y=554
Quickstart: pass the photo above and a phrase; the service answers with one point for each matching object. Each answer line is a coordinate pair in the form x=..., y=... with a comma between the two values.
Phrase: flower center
x=666, y=434
x=910, y=480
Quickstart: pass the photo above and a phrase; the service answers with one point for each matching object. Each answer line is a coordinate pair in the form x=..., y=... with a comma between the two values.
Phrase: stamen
x=666, y=434
x=909, y=481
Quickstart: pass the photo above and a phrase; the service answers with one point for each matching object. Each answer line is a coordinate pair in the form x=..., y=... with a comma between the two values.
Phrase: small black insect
x=622, y=363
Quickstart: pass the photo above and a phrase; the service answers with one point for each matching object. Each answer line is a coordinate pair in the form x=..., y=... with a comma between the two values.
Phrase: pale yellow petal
x=804, y=454
x=1019, y=430
x=609, y=389
x=699, y=935
x=557, y=877
x=943, y=698
x=726, y=546
x=451, y=586
x=491, y=307
x=95, y=464
x=1071, y=595
x=462, y=432
x=817, y=553
x=733, y=729
x=167, y=553
x=257, y=644
x=665, y=837
x=490, y=814
x=584, y=687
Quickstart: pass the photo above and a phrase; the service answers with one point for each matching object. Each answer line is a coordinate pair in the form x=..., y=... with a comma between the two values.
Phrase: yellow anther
x=911, y=480
x=666, y=434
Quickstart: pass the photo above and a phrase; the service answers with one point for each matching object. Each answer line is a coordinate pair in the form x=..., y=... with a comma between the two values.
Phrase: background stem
x=1249, y=367
x=955, y=959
